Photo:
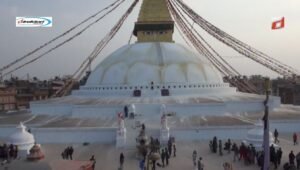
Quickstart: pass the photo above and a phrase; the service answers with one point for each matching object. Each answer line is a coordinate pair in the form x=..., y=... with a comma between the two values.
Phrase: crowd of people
x=165, y=153
x=8, y=152
x=250, y=155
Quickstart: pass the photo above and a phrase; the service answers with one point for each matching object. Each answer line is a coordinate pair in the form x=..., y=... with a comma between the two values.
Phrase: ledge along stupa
x=151, y=74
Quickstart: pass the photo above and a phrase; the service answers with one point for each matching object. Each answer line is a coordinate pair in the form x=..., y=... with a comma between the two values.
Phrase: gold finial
x=154, y=22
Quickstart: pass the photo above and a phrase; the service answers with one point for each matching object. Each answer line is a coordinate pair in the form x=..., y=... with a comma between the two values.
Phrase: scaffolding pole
x=266, y=128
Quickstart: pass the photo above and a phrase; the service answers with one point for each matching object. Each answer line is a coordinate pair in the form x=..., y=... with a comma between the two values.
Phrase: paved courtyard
x=107, y=156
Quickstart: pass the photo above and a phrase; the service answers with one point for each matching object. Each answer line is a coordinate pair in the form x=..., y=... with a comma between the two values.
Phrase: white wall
x=74, y=135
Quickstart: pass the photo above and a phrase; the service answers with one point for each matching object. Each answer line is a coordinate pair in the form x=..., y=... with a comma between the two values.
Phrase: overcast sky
x=249, y=21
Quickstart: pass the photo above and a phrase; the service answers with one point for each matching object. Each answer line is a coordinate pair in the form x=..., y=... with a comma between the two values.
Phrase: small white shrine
x=23, y=139
x=255, y=136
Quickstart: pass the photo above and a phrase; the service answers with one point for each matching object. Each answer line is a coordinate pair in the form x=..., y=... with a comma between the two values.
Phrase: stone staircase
x=133, y=130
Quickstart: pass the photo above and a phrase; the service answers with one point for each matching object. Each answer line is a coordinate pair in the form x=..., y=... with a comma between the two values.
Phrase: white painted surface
x=22, y=139
x=195, y=86
x=74, y=135
x=255, y=136
x=108, y=135
x=142, y=63
x=20, y=136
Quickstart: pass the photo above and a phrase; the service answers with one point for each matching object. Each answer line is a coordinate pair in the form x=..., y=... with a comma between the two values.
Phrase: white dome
x=161, y=63
x=21, y=136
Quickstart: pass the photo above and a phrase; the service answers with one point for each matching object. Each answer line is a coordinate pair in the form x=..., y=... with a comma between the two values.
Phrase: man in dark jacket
x=295, y=138
x=279, y=155
x=215, y=144
x=174, y=150
x=276, y=134
x=126, y=111
x=272, y=153
x=163, y=157
x=167, y=156
x=121, y=160
x=71, y=151
x=298, y=160
x=292, y=158
x=170, y=147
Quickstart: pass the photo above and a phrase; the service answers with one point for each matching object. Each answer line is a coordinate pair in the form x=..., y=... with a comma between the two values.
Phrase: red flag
x=278, y=24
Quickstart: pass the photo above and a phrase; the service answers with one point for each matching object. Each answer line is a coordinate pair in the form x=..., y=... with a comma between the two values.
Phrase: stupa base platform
x=63, y=129
x=84, y=107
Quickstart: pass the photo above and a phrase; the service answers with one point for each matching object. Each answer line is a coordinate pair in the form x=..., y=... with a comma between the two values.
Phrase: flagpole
x=266, y=127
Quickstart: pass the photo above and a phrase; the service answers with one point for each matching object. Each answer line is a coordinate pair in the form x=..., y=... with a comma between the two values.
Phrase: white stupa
x=152, y=72
x=149, y=75
x=255, y=136
x=23, y=139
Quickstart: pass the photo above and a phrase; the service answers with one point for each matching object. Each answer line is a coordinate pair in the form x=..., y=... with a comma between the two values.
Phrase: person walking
x=174, y=150
x=154, y=165
x=276, y=134
x=235, y=152
x=66, y=153
x=71, y=151
x=220, y=148
x=215, y=144
x=200, y=164
x=163, y=157
x=295, y=138
x=121, y=160
x=16, y=152
x=167, y=156
x=170, y=146
x=67, y=150
x=126, y=111
x=229, y=145
x=272, y=153
x=279, y=155
x=298, y=160
x=194, y=157
x=275, y=159
x=292, y=158
x=243, y=151
x=63, y=155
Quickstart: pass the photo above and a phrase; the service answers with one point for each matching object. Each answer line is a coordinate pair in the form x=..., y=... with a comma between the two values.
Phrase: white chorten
x=23, y=139
x=255, y=136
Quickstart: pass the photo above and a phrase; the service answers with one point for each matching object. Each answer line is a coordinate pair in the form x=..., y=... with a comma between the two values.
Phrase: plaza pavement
x=107, y=156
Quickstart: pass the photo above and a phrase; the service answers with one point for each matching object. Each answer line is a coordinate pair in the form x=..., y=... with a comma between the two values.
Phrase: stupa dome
x=21, y=136
x=157, y=62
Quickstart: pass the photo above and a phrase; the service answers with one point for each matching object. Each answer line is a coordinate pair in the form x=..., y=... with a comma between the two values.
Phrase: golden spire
x=154, y=22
